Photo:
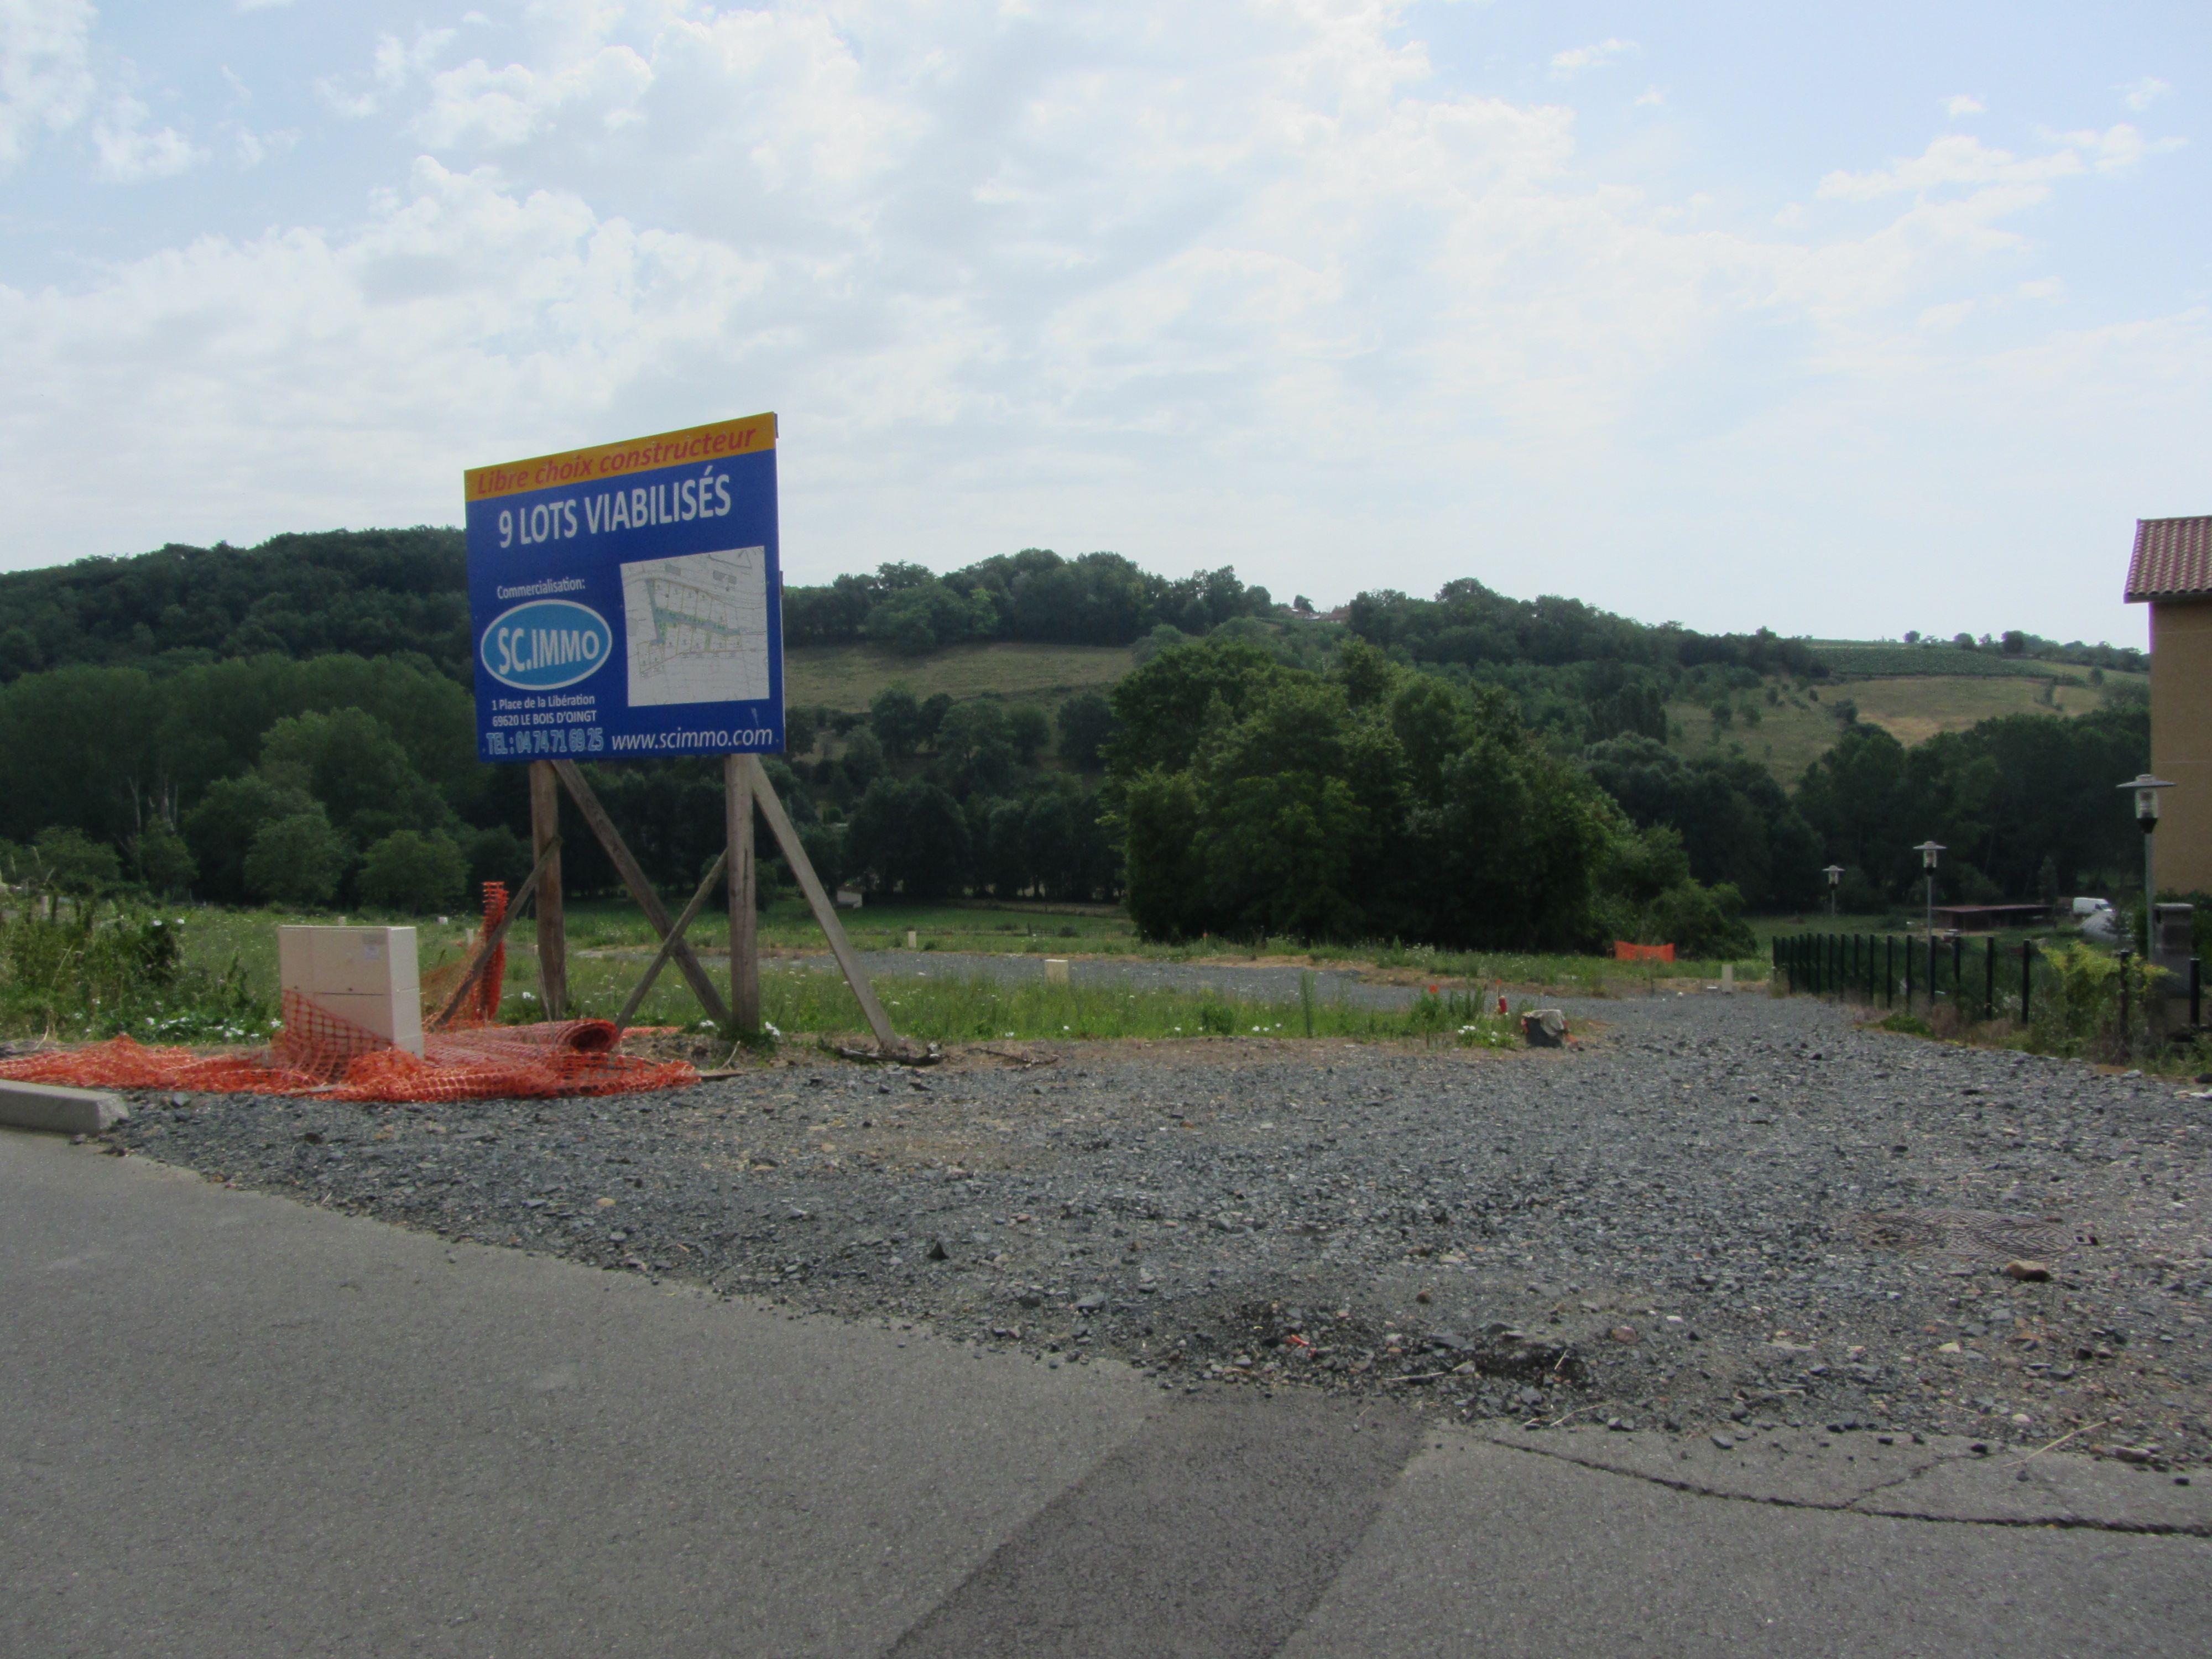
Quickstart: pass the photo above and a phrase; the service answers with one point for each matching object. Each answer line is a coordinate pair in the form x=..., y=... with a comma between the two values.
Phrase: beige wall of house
x=2181, y=739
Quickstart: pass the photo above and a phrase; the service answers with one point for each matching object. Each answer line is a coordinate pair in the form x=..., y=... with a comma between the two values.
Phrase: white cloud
x=45, y=79
x=249, y=149
x=2142, y=94
x=1195, y=283
x=394, y=66
x=1576, y=59
x=2010, y=180
x=128, y=153
x=1650, y=98
x=1963, y=104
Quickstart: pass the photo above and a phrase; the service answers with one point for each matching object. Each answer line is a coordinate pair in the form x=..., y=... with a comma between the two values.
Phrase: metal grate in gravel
x=1978, y=1236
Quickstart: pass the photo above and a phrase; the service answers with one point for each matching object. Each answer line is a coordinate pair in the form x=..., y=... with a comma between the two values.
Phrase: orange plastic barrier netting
x=481, y=1007
x=321, y=1052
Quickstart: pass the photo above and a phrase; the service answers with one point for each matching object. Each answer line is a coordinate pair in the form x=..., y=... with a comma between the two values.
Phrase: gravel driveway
x=1713, y=1208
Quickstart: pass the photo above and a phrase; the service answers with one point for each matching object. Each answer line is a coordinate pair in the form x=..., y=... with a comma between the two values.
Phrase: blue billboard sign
x=626, y=600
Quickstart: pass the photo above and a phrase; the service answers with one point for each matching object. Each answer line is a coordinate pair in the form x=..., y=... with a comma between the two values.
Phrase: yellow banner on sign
x=595, y=465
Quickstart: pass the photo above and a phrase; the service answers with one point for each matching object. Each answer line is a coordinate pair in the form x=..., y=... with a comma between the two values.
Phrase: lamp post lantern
x=2146, y=787
x=1834, y=873
x=1927, y=850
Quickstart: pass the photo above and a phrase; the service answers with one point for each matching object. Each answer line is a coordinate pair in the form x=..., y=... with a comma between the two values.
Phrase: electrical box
x=365, y=974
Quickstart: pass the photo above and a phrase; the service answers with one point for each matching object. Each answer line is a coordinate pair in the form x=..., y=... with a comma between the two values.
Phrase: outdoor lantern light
x=1834, y=873
x=1927, y=850
x=2146, y=787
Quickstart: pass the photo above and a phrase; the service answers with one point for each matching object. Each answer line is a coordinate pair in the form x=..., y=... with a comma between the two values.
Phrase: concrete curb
x=65, y=1111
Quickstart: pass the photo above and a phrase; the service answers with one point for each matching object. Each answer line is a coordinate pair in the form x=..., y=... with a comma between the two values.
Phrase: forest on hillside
x=293, y=721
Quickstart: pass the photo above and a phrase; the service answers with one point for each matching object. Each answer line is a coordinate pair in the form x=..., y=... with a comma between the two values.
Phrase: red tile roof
x=2172, y=561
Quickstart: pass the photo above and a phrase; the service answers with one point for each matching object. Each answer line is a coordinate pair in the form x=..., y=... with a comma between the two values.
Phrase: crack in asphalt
x=2070, y=1523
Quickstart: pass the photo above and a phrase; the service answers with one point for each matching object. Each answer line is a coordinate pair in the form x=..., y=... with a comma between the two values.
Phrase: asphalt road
x=234, y=1425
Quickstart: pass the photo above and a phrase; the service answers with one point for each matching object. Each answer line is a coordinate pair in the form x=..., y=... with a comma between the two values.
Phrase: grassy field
x=1790, y=736
x=850, y=677
x=1882, y=658
x=609, y=945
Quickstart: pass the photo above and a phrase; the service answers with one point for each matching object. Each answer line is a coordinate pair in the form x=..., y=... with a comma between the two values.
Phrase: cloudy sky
x=1840, y=320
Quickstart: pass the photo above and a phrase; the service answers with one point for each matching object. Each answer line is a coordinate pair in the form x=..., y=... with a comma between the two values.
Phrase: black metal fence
x=1981, y=979
x=1904, y=971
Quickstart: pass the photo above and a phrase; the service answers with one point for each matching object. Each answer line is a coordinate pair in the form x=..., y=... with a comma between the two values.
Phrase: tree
x=414, y=872
x=1086, y=724
x=973, y=748
x=895, y=718
x=934, y=708
x=863, y=759
x=296, y=860
x=1733, y=820
x=799, y=733
x=911, y=836
x=350, y=762
x=1164, y=706
x=1297, y=809
x=825, y=851
x=920, y=618
x=1160, y=820
x=1028, y=729
x=71, y=863
x=496, y=855
x=1002, y=850
x=221, y=830
x=165, y=864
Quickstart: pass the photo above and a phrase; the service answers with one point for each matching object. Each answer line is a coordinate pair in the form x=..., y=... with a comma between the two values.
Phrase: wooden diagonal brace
x=675, y=936
x=640, y=890
x=825, y=913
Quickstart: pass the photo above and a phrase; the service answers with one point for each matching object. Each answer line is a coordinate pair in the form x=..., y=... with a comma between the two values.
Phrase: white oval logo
x=545, y=645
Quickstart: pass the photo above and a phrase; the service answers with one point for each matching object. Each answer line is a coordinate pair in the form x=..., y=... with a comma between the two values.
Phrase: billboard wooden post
x=745, y=943
x=552, y=931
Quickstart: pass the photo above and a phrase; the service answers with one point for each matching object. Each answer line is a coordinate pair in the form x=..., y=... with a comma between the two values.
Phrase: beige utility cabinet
x=366, y=975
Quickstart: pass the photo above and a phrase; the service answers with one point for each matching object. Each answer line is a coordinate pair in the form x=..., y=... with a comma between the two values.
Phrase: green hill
x=1036, y=627
x=848, y=678
x=1787, y=733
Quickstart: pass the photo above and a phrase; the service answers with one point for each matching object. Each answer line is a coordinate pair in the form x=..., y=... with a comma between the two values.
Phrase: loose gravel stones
x=1713, y=1209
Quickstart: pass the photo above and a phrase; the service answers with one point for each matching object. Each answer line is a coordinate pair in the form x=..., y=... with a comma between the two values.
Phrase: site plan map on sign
x=698, y=627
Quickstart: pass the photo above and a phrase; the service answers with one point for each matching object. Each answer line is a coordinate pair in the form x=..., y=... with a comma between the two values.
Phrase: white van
x=2089, y=907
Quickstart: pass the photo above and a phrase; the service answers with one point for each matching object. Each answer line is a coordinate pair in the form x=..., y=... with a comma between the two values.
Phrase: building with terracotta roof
x=2172, y=571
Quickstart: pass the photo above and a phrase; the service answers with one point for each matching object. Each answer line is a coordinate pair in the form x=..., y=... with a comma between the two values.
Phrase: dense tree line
x=370, y=593
x=1736, y=822
x=377, y=592
x=2017, y=642
x=184, y=717
x=1099, y=598
x=1376, y=802
x=348, y=779
x=1468, y=622
x=1581, y=675
x=2026, y=807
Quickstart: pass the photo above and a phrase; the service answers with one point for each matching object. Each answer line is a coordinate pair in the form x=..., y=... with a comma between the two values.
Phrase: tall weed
x=86, y=974
x=2080, y=998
